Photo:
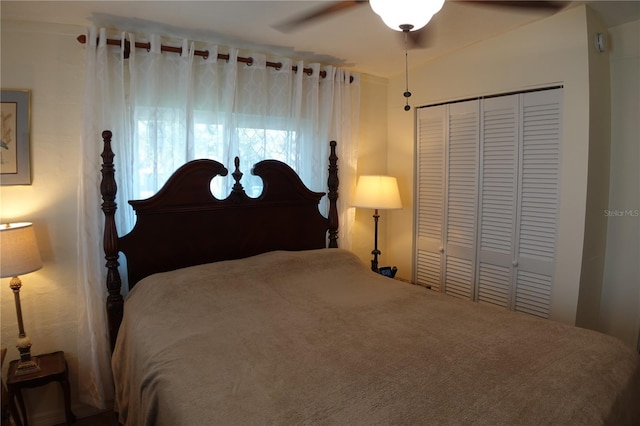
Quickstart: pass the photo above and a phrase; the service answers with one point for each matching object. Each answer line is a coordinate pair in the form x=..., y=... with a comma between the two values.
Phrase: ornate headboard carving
x=184, y=224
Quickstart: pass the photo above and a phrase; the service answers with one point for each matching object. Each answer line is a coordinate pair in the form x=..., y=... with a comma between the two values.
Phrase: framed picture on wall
x=14, y=137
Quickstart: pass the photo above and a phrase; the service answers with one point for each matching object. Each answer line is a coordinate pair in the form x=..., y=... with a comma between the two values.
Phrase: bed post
x=108, y=189
x=332, y=183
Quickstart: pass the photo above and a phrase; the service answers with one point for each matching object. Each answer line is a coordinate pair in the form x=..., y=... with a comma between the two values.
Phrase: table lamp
x=19, y=255
x=378, y=193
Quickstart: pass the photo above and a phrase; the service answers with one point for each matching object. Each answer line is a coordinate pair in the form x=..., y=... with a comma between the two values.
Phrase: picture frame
x=15, y=166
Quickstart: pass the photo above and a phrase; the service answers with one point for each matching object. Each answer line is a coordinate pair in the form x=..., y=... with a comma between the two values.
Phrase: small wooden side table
x=53, y=367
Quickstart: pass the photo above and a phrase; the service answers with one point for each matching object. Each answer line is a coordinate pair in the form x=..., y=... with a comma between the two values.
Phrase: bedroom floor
x=107, y=418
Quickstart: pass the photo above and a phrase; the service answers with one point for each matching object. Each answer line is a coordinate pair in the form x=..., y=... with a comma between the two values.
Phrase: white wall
x=620, y=304
x=372, y=148
x=47, y=60
x=548, y=52
x=595, y=230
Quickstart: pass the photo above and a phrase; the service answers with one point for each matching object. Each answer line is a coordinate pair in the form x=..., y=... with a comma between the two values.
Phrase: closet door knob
x=441, y=249
x=515, y=263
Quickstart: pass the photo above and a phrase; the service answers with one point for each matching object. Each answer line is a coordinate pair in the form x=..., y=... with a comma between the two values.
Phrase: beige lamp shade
x=377, y=192
x=19, y=253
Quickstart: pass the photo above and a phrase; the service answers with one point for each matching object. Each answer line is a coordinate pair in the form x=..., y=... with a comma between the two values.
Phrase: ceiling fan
x=420, y=12
x=410, y=17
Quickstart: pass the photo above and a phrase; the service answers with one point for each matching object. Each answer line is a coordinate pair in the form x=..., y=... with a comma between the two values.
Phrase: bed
x=251, y=314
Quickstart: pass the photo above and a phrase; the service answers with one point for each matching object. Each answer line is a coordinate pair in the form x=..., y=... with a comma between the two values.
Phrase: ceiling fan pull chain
x=407, y=93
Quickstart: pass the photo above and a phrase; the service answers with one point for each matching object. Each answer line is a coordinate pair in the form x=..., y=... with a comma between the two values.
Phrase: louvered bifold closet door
x=498, y=200
x=430, y=196
x=461, y=198
x=539, y=183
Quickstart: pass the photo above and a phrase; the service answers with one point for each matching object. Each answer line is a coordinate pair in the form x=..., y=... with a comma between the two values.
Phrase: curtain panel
x=165, y=109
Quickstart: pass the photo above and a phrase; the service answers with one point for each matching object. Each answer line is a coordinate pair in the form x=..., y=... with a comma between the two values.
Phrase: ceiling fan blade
x=323, y=12
x=523, y=4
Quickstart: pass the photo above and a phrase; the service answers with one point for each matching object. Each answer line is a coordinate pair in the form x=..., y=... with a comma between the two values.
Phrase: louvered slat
x=430, y=196
x=458, y=277
x=493, y=284
x=498, y=192
x=461, y=199
x=431, y=179
x=540, y=165
x=462, y=179
x=539, y=193
x=429, y=269
x=498, y=180
x=533, y=294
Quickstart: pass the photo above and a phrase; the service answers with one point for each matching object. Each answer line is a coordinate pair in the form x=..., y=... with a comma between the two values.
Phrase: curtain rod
x=203, y=53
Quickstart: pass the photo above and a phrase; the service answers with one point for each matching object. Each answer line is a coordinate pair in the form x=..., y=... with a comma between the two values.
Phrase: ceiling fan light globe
x=397, y=13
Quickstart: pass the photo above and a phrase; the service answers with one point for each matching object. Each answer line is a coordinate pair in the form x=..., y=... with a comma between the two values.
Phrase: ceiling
x=355, y=38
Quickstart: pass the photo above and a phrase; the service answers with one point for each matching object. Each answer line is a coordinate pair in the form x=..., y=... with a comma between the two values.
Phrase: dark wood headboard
x=185, y=225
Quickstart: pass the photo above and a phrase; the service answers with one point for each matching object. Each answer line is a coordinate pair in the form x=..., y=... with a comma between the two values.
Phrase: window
x=158, y=155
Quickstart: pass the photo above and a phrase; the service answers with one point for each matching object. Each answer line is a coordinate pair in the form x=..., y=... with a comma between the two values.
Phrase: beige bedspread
x=289, y=338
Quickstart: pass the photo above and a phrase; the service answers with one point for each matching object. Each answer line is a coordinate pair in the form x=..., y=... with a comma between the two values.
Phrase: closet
x=487, y=198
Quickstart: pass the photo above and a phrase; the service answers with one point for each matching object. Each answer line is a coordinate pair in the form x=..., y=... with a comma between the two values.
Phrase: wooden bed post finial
x=108, y=190
x=332, y=183
x=237, y=175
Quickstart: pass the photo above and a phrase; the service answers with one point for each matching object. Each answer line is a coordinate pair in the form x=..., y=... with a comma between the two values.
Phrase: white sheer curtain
x=165, y=109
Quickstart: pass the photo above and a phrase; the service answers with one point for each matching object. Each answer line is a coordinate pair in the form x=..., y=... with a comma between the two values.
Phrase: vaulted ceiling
x=355, y=38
